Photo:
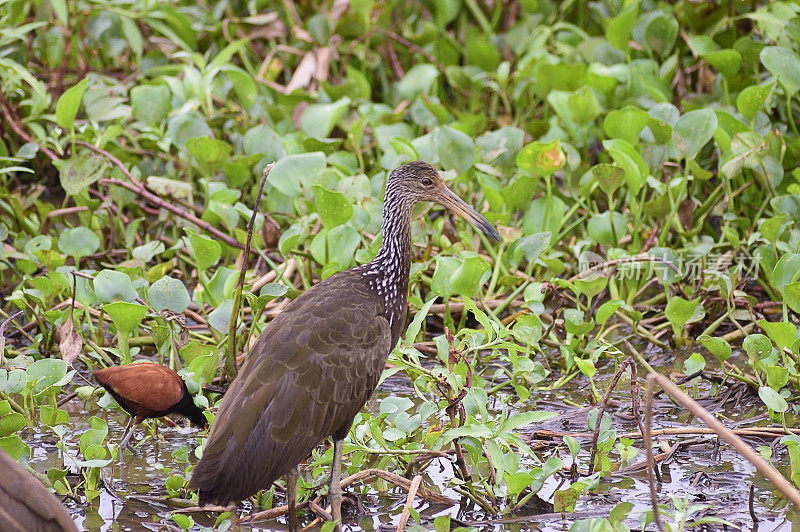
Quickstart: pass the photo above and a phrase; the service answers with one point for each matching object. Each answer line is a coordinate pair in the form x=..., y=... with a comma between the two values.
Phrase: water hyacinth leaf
x=607, y=228
x=783, y=333
x=126, y=316
x=757, y=346
x=773, y=399
x=619, y=29
x=606, y=310
x=680, y=312
x=545, y=215
x=541, y=159
x=151, y=103
x=333, y=207
x=205, y=251
x=48, y=373
x=11, y=423
x=111, y=285
x=68, y=104
x=80, y=171
x=294, y=171
x=173, y=188
x=727, y=62
x=291, y=237
x=627, y=158
x=583, y=106
x=78, y=242
x=170, y=294
x=466, y=278
x=693, y=131
x=661, y=33
x=791, y=296
x=608, y=177
x=531, y=247
x=785, y=64
x=418, y=80
x=147, y=251
x=718, y=347
x=786, y=271
x=210, y=154
x=13, y=381
x=455, y=149
x=751, y=98
x=626, y=123
x=220, y=317
x=694, y=364
x=319, y=119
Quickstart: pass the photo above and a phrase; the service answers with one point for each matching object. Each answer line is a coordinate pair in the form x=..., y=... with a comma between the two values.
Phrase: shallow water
x=700, y=474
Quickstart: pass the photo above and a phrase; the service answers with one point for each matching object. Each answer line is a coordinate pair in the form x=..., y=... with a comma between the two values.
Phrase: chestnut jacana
x=26, y=505
x=318, y=362
x=148, y=390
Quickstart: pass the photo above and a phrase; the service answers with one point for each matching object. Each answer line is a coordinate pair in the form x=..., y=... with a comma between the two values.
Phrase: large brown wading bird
x=317, y=363
x=148, y=390
x=26, y=505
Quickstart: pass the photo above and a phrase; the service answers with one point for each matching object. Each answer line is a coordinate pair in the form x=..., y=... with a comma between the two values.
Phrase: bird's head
x=419, y=181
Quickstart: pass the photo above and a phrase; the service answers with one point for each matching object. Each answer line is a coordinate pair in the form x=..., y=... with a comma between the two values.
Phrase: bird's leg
x=335, y=492
x=291, y=498
x=126, y=436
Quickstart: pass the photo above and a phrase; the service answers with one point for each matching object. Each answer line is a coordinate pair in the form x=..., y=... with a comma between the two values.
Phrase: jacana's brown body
x=149, y=390
x=317, y=363
x=26, y=505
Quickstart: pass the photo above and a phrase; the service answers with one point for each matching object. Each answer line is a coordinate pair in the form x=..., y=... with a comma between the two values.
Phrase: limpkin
x=148, y=390
x=318, y=362
x=26, y=505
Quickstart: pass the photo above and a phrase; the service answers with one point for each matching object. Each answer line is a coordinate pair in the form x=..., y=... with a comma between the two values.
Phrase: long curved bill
x=449, y=199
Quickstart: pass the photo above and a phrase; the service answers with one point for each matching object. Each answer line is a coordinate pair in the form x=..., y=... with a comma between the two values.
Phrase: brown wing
x=145, y=389
x=25, y=505
x=308, y=375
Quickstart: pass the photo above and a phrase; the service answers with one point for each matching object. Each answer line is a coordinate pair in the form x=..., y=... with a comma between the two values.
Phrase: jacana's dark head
x=418, y=181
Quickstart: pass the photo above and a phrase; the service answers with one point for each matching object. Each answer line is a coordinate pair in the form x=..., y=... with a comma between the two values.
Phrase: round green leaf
x=78, y=242
x=126, y=316
x=693, y=130
x=785, y=64
x=169, y=294
x=455, y=149
x=110, y=285
x=773, y=399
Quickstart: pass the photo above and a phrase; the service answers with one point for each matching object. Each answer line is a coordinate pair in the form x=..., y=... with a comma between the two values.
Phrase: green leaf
x=693, y=131
x=608, y=176
x=751, y=98
x=78, y=242
x=151, y=103
x=785, y=64
x=126, y=316
x=80, y=171
x=619, y=28
x=169, y=294
x=583, y=106
x=630, y=161
x=210, y=154
x=541, y=159
x=694, y=363
x=418, y=80
x=455, y=149
x=626, y=123
x=679, y=312
x=111, y=285
x=292, y=171
x=68, y=104
x=607, y=228
x=783, y=333
x=205, y=251
x=661, y=33
x=333, y=207
x=48, y=375
x=773, y=399
x=718, y=347
x=319, y=119
x=757, y=346
x=413, y=328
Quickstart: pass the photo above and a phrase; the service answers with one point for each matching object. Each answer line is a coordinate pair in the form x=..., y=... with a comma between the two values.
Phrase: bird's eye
x=427, y=181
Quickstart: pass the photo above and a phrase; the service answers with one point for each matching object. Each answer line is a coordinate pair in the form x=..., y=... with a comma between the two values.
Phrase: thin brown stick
x=412, y=494
x=764, y=467
x=603, y=406
x=230, y=355
x=648, y=445
x=626, y=260
x=16, y=125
